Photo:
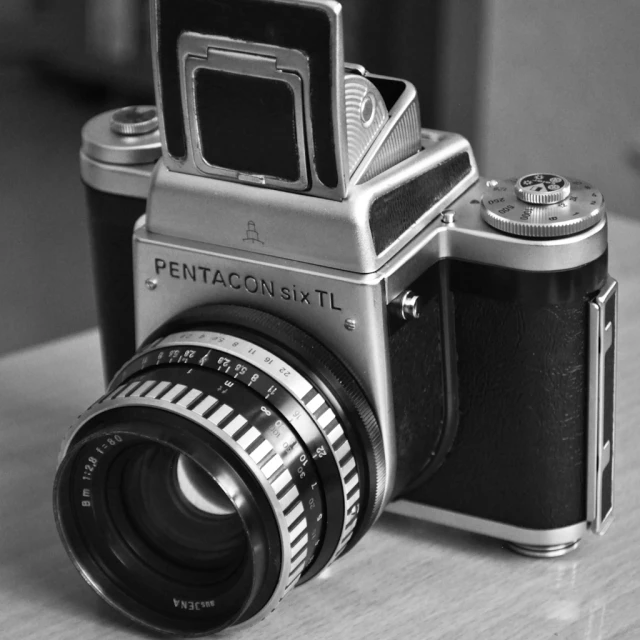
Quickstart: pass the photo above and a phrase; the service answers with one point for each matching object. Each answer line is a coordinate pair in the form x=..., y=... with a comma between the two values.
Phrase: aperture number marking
x=92, y=462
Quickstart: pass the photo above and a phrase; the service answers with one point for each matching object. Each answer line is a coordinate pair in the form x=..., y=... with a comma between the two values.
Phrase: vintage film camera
x=333, y=312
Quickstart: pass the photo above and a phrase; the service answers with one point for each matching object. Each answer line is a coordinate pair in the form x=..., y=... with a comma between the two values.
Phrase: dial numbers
x=504, y=208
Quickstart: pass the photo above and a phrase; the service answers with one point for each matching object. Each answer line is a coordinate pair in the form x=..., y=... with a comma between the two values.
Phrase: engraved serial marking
x=246, y=283
x=91, y=464
x=193, y=605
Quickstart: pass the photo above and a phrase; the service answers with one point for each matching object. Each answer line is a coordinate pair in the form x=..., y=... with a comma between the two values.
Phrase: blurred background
x=546, y=85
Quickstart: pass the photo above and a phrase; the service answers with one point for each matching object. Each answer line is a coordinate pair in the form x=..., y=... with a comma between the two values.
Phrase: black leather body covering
x=111, y=222
x=418, y=392
x=520, y=349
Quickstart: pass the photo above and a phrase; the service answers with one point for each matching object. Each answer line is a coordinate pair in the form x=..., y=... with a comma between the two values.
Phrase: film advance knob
x=541, y=205
x=128, y=136
x=134, y=121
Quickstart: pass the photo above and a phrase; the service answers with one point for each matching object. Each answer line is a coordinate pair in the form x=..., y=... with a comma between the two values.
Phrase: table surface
x=405, y=579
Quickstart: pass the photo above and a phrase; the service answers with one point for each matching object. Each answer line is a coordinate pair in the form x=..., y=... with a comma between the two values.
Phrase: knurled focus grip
x=111, y=222
x=520, y=453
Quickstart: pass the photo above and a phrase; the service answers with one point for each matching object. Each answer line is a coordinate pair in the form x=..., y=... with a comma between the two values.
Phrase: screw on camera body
x=448, y=216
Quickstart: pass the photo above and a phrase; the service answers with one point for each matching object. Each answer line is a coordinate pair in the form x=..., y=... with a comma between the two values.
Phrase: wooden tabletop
x=405, y=579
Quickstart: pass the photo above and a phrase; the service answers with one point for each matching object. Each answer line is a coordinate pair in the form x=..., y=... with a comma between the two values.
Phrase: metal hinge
x=603, y=314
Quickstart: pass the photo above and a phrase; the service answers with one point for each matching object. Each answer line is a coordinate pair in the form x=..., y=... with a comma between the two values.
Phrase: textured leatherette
x=519, y=456
x=418, y=391
x=394, y=212
x=111, y=222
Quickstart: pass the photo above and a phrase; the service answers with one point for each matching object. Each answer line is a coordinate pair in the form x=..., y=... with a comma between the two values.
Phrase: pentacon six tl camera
x=326, y=312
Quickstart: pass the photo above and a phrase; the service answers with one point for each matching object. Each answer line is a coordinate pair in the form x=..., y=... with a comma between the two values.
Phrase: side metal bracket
x=603, y=312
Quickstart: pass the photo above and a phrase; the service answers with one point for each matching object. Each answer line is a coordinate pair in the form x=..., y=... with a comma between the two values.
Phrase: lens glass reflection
x=168, y=509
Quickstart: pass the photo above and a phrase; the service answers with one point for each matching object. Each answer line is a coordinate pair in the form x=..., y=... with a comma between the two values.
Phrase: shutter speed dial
x=542, y=205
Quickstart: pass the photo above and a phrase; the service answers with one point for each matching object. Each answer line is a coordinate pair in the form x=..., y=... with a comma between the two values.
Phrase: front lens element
x=172, y=507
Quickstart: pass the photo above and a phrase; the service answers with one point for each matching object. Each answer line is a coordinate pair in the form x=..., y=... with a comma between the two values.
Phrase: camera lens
x=232, y=458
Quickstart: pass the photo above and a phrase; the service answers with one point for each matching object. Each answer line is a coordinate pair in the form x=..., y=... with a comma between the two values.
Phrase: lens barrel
x=232, y=458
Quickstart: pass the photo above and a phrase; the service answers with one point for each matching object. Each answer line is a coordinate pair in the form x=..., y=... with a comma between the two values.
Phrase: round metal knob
x=408, y=305
x=542, y=188
x=541, y=205
x=134, y=121
x=104, y=141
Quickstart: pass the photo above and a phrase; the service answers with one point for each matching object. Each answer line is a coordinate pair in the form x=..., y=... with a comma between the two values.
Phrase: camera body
x=313, y=309
x=486, y=352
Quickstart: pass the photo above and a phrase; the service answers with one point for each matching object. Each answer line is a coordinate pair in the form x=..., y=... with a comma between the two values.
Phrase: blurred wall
x=45, y=279
x=12, y=10
x=561, y=91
